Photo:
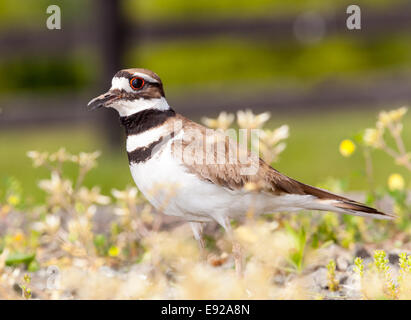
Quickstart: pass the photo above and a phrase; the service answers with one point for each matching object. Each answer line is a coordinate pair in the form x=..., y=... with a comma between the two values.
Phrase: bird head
x=132, y=91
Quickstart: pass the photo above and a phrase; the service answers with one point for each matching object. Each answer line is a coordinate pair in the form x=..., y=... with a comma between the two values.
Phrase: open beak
x=102, y=100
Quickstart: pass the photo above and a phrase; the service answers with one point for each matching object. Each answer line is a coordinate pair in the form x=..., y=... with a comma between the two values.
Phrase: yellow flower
x=19, y=236
x=13, y=200
x=113, y=251
x=347, y=147
x=396, y=182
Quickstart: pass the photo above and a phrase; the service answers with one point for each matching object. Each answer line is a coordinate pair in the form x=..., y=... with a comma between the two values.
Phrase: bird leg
x=237, y=250
x=197, y=228
x=238, y=259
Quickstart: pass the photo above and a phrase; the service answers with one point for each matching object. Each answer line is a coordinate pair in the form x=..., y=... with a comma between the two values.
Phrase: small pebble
x=342, y=263
x=320, y=278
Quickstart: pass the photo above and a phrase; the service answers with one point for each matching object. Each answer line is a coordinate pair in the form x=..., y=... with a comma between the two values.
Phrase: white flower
x=39, y=158
x=86, y=160
x=372, y=137
x=50, y=225
x=396, y=115
x=279, y=148
x=128, y=195
x=56, y=185
x=248, y=120
x=385, y=118
x=60, y=156
x=80, y=227
x=271, y=137
x=223, y=121
x=85, y=195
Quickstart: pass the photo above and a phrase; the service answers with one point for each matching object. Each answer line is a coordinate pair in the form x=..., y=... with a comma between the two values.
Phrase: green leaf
x=17, y=258
x=100, y=240
x=33, y=266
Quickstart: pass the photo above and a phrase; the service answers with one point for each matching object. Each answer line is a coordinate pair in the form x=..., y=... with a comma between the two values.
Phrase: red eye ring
x=137, y=83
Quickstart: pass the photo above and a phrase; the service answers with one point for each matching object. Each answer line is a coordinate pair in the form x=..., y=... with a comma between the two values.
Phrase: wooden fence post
x=110, y=30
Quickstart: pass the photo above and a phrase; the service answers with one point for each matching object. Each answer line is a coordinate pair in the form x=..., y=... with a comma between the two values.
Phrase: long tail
x=327, y=201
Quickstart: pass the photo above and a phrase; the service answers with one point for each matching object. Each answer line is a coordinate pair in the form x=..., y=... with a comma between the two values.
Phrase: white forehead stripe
x=121, y=83
x=145, y=77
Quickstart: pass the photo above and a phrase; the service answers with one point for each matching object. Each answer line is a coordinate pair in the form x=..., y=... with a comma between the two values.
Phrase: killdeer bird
x=168, y=152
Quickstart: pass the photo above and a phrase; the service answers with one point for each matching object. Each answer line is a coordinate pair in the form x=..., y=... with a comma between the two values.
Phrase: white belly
x=174, y=191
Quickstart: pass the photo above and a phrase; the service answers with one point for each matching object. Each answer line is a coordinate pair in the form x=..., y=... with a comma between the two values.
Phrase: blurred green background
x=48, y=76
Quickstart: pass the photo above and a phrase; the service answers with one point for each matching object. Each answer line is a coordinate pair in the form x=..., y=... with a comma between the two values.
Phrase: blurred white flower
x=270, y=146
x=39, y=158
x=223, y=121
x=372, y=137
x=126, y=201
x=248, y=120
x=271, y=137
x=50, y=225
x=396, y=115
x=80, y=228
x=86, y=160
x=127, y=195
x=279, y=148
x=60, y=156
x=89, y=196
x=386, y=118
x=56, y=186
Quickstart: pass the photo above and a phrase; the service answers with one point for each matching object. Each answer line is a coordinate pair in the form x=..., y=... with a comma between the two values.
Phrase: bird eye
x=136, y=83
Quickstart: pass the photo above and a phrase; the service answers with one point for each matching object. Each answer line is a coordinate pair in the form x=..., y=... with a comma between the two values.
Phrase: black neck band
x=145, y=120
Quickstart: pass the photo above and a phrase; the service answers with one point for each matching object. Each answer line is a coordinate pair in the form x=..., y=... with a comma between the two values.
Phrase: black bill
x=101, y=101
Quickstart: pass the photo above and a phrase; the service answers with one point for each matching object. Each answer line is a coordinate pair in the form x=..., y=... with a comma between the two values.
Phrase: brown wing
x=219, y=162
x=230, y=173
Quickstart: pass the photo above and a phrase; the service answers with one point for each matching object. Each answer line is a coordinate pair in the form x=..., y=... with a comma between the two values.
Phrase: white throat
x=127, y=108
